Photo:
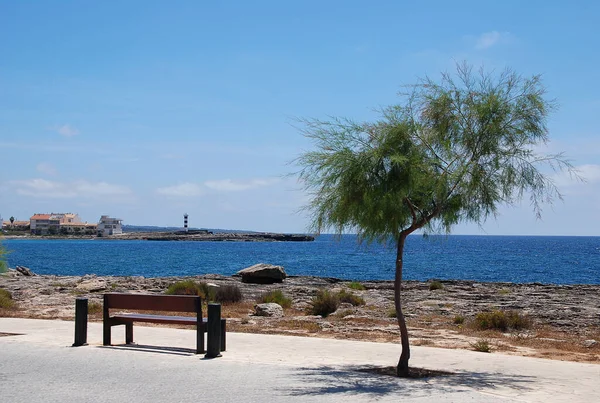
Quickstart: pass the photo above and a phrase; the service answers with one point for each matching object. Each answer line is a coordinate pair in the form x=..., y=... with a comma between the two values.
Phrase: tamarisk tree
x=453, y=151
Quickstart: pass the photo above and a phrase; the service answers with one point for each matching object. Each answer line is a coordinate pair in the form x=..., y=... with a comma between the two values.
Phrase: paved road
x=40, y=365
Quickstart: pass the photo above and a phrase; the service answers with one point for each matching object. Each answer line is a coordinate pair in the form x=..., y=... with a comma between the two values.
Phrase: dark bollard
x=81, y=316
x=213, y=331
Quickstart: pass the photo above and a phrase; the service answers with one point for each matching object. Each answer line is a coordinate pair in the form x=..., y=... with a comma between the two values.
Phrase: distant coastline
x=192, y=235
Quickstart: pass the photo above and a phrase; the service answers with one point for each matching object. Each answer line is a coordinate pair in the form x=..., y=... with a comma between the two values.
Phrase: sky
x=146, y=110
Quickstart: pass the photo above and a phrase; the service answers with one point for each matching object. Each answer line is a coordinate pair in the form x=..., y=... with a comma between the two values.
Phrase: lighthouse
x=185, y=222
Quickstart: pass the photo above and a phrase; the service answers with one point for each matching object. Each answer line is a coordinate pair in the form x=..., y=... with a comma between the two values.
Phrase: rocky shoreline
x=566, y=318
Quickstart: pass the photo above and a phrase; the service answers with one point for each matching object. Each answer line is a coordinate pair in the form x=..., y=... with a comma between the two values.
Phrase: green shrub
x=348, y=297
x=94, y=307
x=501, y=320
x=277, y=297
x=191, y=287
x=6, y=300
x=391, y=313
x=436, y=285
x=324, y=303
x=482, y=345
x=459, y=320
x=355, y=285
x=228, y=294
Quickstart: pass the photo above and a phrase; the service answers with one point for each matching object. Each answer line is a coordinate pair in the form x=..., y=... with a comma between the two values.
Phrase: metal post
x=213, y=331
x=81, y=317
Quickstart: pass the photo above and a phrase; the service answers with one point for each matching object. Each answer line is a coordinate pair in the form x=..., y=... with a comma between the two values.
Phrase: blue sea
x=518, y=259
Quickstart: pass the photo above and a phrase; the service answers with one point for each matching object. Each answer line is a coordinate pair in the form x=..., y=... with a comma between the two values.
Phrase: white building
x=109, y=226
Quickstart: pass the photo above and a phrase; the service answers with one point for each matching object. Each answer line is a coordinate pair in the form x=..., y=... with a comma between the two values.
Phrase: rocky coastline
x=183, y=236
x=566, y=318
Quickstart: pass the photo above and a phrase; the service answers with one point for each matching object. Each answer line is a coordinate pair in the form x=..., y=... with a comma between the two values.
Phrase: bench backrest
x=151, y=302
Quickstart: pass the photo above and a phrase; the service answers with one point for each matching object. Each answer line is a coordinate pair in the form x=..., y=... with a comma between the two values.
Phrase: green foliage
x=350, y=298
x=276, y=296
x=436, y=285
x=94, y=307
x=6, y=300
x=458, y=320
x=324, y=303
x=229, y=293
x=391, y=313
x=501, y=320
x=452, y=151
x=3, y=263
x=482, y=345
x=191, y=287
x=355, y=285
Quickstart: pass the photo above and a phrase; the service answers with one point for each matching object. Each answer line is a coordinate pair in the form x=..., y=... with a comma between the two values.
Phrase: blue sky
x=146, y=110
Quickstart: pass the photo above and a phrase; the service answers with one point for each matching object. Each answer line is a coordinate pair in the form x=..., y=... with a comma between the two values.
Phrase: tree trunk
x=402, y=368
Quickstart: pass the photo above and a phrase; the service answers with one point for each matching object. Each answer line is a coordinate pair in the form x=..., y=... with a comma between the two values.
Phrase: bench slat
x=139, y=317
x=152, y=302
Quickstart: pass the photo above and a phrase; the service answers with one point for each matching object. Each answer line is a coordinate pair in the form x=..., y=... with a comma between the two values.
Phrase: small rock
x=269, y=309
x=590, y=343
x=92, y=285
x=25, y=271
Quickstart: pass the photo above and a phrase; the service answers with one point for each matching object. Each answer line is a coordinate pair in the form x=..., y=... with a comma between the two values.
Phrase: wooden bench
x=150, y=302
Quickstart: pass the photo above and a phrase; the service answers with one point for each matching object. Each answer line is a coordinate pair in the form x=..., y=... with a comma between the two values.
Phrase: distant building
x=16, y=225
x=59, y=223
x=109, y=226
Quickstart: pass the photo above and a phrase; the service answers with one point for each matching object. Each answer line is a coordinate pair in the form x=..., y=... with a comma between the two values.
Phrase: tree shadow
x=373, y=382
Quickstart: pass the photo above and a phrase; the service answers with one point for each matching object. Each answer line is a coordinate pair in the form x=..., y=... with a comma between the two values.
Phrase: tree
x=451, y=152
x=12, y=220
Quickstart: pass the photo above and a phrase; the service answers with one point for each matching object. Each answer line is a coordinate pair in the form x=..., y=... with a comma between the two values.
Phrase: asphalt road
x=39, y=365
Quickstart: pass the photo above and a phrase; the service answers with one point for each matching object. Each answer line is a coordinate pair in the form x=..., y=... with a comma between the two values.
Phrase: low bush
x=350, y=298
x=276, y=296
x=391, y=313
x=436, y=285
x=501, y=320
x=482, y=345
x=355, y=285
x=94, y=307
x=228, y=294
x=459, y=320
x=191, y=287
x=6, y=300
x=324, y=303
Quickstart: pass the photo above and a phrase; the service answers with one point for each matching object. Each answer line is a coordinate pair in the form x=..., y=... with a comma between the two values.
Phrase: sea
x=516, y=259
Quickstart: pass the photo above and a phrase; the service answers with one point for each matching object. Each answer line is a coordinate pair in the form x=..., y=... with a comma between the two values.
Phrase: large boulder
x=262, y=273
x=269, y=309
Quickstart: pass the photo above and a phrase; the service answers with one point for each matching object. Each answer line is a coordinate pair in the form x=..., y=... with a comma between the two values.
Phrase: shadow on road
x=154, y=349
x=362, y=380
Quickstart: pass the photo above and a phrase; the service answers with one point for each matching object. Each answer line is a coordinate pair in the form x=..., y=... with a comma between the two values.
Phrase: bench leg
x=199, y=340
x=128, y=333
x=223, y=337
x=106, y=333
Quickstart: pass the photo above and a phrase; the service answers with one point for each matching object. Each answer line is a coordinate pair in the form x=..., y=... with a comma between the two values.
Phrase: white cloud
x=489, y=39
x=228, y=185
x=225, y=185
x=66, y=130
x=42, y=188
x=46, y=168
x=181, y=190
